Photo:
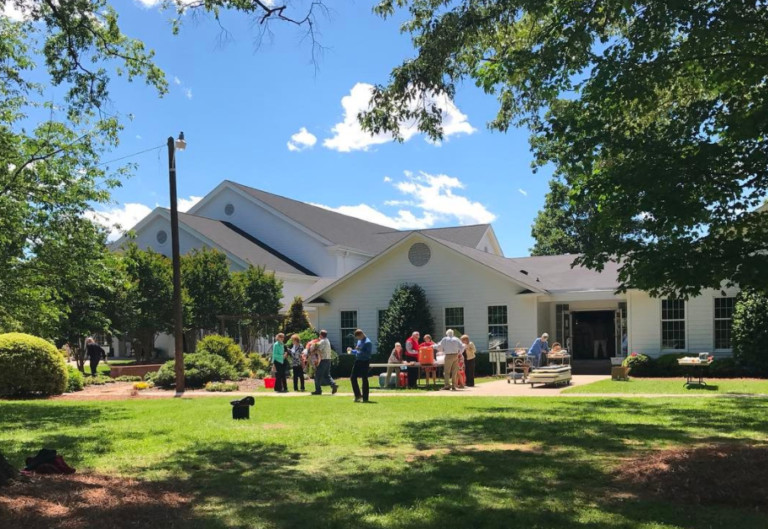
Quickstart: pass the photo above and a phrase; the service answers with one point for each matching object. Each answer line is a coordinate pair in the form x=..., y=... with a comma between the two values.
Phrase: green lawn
x=673, y=386
x=345, y=386
x=400, y=463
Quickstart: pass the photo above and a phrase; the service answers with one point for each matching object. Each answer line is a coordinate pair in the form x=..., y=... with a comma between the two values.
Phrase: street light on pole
x=178, y=328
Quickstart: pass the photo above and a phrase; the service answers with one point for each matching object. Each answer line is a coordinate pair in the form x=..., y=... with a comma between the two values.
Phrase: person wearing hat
x=323, y=371
x=362, y=352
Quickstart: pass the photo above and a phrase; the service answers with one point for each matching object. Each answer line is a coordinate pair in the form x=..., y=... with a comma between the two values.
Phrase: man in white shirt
x=452, y=347
x=323, y=370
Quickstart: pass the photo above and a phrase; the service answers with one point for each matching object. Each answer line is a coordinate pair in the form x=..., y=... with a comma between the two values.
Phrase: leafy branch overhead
x=653, y=113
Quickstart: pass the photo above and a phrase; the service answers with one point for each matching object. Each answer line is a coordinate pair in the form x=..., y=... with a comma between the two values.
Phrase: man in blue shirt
x=539, y=350
x=362, y=352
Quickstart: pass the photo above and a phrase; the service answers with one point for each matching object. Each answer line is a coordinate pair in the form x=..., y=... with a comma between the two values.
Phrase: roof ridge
x=268, y=248
x=305, y=204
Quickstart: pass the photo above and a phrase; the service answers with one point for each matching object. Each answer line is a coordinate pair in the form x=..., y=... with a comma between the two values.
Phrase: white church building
x=346, y=269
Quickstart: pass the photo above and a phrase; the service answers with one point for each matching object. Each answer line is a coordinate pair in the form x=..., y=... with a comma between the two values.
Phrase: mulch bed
x=91, y=501
x=732, y=475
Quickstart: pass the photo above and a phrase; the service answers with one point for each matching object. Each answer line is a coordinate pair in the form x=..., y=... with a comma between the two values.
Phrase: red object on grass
x=402, y=380
x=269, y=382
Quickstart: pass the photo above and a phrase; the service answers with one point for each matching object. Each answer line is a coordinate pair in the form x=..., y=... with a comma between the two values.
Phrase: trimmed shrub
x=258, y=362
x=724, y=368
x=221, y=386
x=30, y=366
x=642, y=365
x=343, y=366
x=128, y=378
x=199, y=368
x=308, y=335
x=224, y=347
x=750, y=331
x=667, y=366
x=75, y=380
x=98, y=380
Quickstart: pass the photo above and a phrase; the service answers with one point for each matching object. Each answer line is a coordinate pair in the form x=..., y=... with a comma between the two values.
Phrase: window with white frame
x=723, y=322
x=673, y=324
x=498, y=333
x=454, y=319
x=348, y=327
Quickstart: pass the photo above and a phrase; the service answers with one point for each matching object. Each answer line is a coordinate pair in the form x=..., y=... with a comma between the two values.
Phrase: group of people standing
x=459, y=358
x=317, y=351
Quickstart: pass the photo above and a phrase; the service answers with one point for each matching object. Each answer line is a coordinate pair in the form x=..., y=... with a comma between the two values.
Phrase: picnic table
x=426, y=368
x=694, y=368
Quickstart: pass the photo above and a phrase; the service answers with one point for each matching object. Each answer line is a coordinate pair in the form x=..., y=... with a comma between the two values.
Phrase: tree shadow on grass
x=585, y=423
x=274, y=486
x=87, y=440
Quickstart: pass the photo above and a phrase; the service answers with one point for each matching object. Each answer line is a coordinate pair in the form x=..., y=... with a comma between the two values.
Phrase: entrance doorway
x=594, y=334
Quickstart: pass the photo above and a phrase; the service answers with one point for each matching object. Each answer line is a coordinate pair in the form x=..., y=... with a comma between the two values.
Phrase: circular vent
x=419, y=254
x=162, y=236
x=229, y=209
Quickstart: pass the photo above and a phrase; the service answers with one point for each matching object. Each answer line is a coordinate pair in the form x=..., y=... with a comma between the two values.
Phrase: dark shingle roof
x=556, y=275
x=352, y=232
x=240, y=244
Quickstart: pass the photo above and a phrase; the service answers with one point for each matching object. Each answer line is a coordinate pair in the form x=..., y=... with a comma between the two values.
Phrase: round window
x=162, y=236
x=419, y=254
x=229, y=209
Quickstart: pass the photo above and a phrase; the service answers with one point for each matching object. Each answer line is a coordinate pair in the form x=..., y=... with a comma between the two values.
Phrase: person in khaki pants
x=452, y=347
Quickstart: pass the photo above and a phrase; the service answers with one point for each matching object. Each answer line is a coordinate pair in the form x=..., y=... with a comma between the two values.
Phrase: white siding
x=273, y=230
x=449, y=280
x=644, y=323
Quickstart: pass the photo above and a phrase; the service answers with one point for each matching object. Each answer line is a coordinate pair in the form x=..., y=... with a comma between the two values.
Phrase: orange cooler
x=426, y=355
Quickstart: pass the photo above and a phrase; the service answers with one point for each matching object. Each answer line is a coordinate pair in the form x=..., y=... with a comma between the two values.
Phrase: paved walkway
x=496, y=388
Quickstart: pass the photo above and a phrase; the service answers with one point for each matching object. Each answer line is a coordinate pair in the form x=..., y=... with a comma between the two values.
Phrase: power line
x=132, y=155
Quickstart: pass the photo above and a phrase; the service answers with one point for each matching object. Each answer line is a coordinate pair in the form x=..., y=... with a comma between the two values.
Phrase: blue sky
x=270, y=119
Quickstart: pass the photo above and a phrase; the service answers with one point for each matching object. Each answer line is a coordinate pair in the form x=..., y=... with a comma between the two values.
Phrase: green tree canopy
x=750, y=330
x=209, y=288
x=297, y=319
x=51, y=146
x=259, y=293
x=148, y=303
x=654, y=112
x=556, y=228
x=408, y=311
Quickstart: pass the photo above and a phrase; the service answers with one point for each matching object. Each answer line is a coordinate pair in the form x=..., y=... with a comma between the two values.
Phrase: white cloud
x=431, y=199
x=119, y=219
x=13, y=12
x=522, y=191
x=138, y=137
x=176, y=80
x=185, y=204
x=188, y=93
x=301, y=140
x=387, y=179
x=349, y=136
x=404, y=220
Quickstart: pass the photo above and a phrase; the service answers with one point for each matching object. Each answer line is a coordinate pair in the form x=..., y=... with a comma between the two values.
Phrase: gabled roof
x=238, y=243
x=497, y=263
x=555, y=274
x=354, y=233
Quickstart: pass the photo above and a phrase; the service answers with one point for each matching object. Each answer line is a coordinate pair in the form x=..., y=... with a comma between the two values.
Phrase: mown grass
x=326, y=462
x=675, y=386
x=345, y=386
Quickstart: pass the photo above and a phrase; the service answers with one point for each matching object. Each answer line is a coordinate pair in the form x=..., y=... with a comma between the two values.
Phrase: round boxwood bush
x=725, y=368
x=75, y=380
x=667, y=365
x=199, y=369
x=642, y=365
x=30, y=366
x=224, y=347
